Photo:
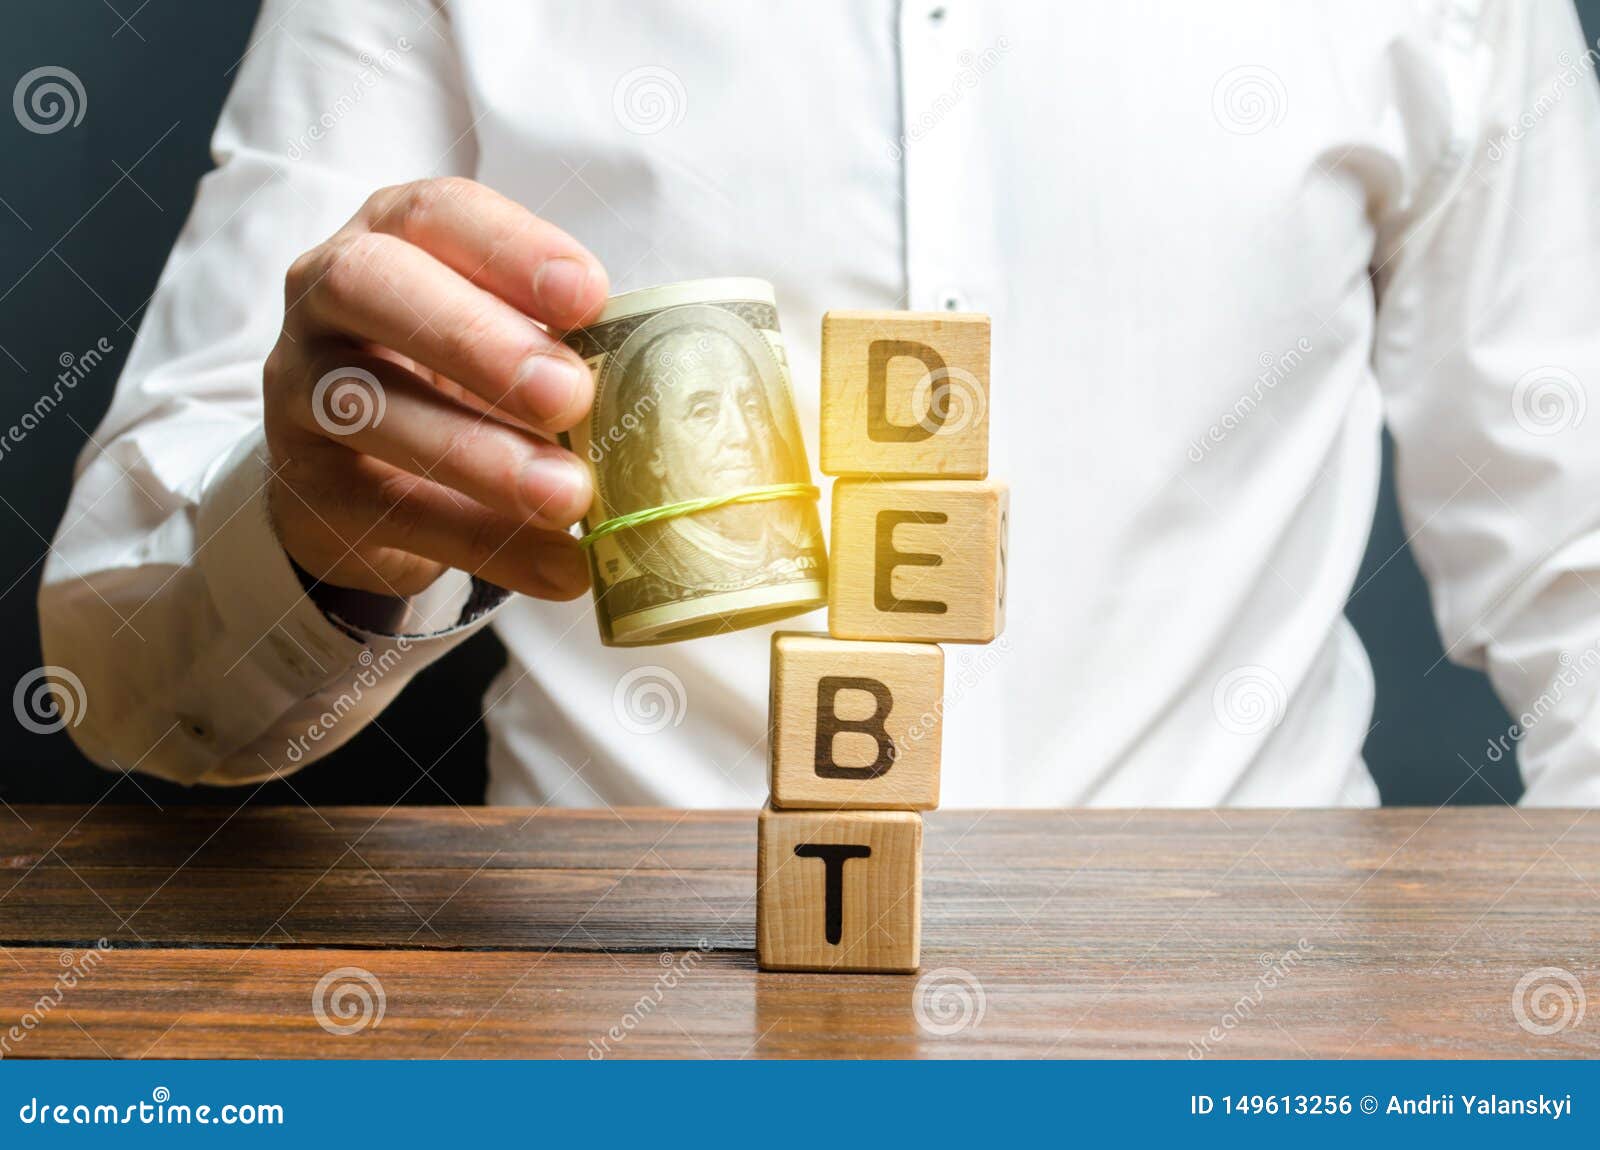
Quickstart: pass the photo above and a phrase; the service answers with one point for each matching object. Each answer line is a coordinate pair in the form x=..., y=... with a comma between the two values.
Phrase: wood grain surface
x=498, y=933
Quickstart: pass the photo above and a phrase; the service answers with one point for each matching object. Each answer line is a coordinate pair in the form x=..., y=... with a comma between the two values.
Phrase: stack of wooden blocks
x=917, y=559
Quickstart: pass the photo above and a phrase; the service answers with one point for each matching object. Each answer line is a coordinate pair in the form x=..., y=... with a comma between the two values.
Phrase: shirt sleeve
x=166, y=595
x=1487, y=348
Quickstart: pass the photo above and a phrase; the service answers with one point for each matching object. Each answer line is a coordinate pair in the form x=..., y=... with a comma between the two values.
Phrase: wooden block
x=855, y=725
x=918, y=559
x=839, y=890
x=905, y=394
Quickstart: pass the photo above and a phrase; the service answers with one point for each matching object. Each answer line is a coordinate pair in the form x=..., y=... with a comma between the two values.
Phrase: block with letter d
x=905, y=394
x=918, y=560
x=855, y=725
x=839, y=890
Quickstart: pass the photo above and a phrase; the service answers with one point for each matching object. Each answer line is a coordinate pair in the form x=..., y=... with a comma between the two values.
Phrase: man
x=1220, y=249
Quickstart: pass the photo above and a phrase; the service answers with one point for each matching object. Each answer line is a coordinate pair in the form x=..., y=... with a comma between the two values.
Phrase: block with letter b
x=839, y=890
x=855, y=725
x=905, y=394
x=918, y=560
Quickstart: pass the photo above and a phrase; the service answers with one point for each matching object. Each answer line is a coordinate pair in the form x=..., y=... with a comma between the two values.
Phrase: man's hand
x=403, y=396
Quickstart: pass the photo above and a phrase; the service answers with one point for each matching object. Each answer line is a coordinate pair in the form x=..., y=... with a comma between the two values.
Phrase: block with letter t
x=839, y=890
x=905, y=394
x=855, y=725
x=921, y=560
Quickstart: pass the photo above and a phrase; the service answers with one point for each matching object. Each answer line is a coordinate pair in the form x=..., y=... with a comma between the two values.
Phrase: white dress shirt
x=1220, y=248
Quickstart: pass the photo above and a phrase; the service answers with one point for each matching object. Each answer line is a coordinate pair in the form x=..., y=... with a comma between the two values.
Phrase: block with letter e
x=839, y=890
x=905, y=394
x=855, y=725
x=918, y=560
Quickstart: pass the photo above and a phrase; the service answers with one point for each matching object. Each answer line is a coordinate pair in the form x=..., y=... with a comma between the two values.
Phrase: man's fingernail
x=560, y=283
x=555, y=489
x=551, y=387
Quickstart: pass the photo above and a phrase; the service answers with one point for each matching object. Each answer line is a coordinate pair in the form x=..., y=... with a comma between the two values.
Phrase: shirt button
x=952, y=300
x=936, y=15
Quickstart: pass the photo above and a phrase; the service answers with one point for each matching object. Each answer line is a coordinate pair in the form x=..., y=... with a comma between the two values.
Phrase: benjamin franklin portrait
x=705, y=412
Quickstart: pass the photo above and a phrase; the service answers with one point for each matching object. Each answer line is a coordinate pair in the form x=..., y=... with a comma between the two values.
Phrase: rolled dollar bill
x=692, y=404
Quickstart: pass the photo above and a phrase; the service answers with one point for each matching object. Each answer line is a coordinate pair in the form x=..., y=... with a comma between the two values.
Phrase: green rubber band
x=693, y=506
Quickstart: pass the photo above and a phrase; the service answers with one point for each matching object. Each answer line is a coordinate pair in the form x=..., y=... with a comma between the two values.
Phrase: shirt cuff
x=285, y=645
x=455, y=600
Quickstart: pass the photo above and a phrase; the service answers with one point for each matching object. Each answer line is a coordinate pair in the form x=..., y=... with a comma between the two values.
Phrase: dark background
x=87, y=215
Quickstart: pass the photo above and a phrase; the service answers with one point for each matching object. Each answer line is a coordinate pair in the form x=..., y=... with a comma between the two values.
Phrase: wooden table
x=496, y=932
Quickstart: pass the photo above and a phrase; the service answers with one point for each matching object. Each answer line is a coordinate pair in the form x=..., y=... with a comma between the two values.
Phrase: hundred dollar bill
x=692, y=401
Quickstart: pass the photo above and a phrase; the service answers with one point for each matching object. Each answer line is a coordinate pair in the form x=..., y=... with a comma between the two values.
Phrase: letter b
x=829, y=724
